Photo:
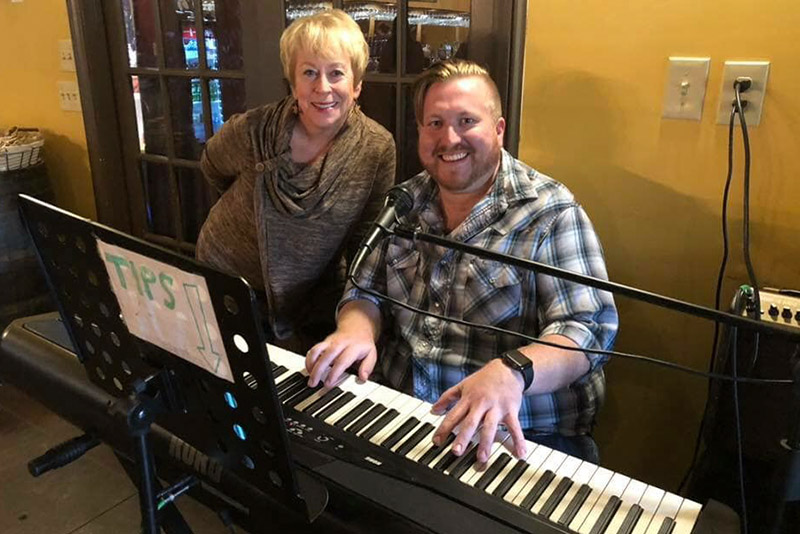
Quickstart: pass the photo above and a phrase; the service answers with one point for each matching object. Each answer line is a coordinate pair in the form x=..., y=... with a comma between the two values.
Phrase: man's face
x=459, y=139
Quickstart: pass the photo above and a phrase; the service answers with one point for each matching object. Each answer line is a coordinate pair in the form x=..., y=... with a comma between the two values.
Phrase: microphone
x=398, y=203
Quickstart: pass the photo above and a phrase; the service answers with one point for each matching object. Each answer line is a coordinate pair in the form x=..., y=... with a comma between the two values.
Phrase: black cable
x=740, y=466
x=717, y=296
x=637, y=357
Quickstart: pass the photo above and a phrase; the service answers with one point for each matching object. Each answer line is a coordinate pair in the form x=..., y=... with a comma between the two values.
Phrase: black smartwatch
x=519, y=362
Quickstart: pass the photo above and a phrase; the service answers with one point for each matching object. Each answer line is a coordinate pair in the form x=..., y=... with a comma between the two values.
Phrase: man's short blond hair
x=325, y=34
x=453, y=69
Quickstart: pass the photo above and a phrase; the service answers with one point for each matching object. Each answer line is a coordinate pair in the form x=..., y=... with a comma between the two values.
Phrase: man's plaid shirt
x=527, y=215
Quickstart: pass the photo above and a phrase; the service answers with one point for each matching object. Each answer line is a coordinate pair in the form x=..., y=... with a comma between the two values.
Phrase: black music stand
x=236, y=422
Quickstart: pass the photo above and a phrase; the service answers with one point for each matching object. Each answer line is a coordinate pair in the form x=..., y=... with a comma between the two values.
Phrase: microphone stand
x=696, y=310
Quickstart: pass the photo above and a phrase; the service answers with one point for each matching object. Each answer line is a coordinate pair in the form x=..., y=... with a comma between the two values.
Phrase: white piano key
x=471, y=475
x=539, y=454
x=549, y=458
x=669, y=507
x=360, y=390
x=598, y=484
x=552, y=463
x=412, y=408
x=687, y=517
x=649, y=502
x=300, y=406
x=615, y=488
x=565, y=470
x=505, y=470
x=633, y=493
x=290, y=360
x=582, y=476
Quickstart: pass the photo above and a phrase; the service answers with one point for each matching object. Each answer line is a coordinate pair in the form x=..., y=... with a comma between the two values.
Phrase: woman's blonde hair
x=325, y=34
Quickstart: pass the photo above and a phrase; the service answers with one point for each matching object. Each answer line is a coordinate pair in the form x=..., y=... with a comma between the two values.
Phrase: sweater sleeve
x=227, y=153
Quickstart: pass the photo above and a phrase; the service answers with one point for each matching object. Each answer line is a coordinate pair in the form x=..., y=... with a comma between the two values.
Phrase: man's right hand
x=353, y=341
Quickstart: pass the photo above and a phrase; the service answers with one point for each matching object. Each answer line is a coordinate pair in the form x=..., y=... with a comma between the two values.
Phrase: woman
x=300, y=181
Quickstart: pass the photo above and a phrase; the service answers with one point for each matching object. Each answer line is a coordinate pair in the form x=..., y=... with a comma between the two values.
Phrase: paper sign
x=168, y=307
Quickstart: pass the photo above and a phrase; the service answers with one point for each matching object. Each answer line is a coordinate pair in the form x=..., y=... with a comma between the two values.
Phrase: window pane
x=223, y=34
x=186, y=106
x=150, y=117
x=195, y=196
x=180, y=34
x=140, y=32
x=439, y=34
x=378, y=101
x=413, y=166
x=155, y=178
x=378, y=23
x=227, y=98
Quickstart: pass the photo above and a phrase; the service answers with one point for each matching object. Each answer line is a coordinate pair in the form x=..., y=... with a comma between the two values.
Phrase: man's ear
x=500, y=128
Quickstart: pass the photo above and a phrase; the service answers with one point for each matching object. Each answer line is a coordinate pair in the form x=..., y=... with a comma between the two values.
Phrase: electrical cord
x=740, y=466
x=630, y=356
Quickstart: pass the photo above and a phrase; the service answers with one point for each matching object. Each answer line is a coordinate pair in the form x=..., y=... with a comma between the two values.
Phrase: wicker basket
x=17, y=157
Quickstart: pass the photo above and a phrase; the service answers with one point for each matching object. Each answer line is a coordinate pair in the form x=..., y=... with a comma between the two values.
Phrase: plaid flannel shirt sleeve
x=372, y=275
x=584, y=314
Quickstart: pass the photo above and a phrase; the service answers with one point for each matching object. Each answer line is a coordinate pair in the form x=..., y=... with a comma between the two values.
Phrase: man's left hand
x=482, y=401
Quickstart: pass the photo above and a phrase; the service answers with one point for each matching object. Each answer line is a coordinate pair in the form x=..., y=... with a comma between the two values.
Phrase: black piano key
x=303, y=395
x=289, y=382
x=555, y=498
x=278, y=370
x=577, y=501
x=667, y=526
x=606, y=515
x=446, y=461
x=493, y=471
x=366, y=419
x=434, y=451
x=399, y=433
x=465, y=462
x=414, y=439
x=273, y=365
x=350, y=416
x=291, y=391
x=380, y=424
x=629, y=523
x=510, y=479
x=331, y=408
x=537, y=489
x=322, y=401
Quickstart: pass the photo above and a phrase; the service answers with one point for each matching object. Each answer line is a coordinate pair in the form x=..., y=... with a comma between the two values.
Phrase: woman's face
x=324, y=90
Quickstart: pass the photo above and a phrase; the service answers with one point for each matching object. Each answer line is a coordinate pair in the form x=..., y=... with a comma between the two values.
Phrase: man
x=474, y=191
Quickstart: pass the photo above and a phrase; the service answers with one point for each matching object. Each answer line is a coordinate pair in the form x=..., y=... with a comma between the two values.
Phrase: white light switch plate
x=758, y=71
x=685, y=88
x=68, y=96
x=65, y=55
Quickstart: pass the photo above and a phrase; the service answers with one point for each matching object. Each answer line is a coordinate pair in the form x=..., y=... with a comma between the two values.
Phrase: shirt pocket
x=492, y=293
x=401, y=271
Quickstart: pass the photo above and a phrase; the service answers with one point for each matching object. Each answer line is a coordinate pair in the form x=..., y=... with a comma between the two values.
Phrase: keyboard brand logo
x=183, y=452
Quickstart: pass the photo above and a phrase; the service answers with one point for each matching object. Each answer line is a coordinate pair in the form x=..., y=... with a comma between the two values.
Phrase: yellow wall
x=29, y=72
x=591, y=117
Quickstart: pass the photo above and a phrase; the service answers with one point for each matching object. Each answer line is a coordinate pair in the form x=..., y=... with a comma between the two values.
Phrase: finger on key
x=322, y=365
x=488, y=434
x=450, y=421
x=467, y=429
x=368, y=365
x=449, y=397
x=347, y=357
x=512, y=423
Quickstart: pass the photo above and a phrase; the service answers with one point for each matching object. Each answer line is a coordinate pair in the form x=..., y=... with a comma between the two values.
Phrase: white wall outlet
x=65, y=55
x=68, y=96
x=685, y=88
x=758, y=71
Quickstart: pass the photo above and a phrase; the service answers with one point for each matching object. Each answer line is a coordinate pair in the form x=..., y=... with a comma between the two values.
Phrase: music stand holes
x=126, y=367
x=61, y=238
x=267, y=448
x=93, y=278
x=275, y=479
x=89, y=346
x=239, y=431
x=78, y=320
x=230, y=400
x=117, y=383
x=230, y=305
x=100, y=373
x=250, y=380
x=42, y=229
x=258, y=415
x=81, y=245
x=248, y=462
x=107, y=358
x=115, y=339
x=96, y=330
x=104, y=310
x=241, y=344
